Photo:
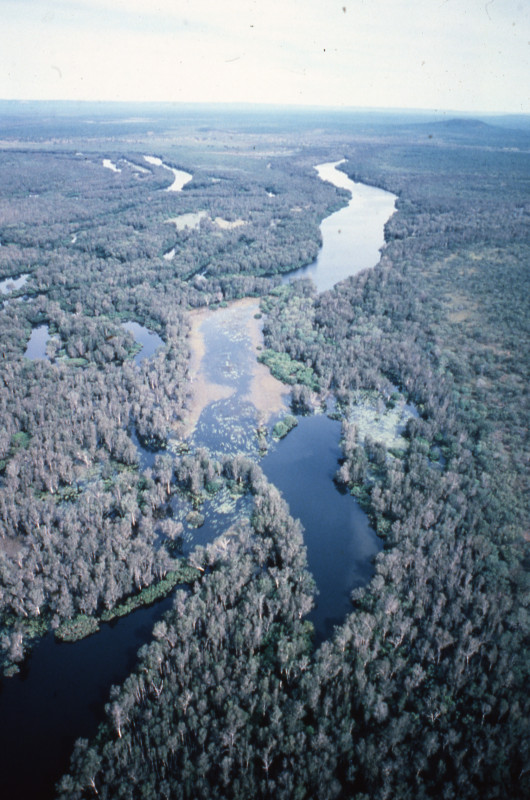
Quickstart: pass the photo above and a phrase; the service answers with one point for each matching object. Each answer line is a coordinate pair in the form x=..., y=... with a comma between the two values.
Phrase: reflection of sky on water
x=150, y=341
x=36, y=347
x=228, y=425
x=351, y=237
x=9, y=285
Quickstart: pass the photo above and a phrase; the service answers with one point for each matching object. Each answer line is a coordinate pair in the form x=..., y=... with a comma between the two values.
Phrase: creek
x=60, y=692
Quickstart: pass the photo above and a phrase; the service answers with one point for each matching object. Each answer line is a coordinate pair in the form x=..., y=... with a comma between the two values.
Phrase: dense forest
x=421, y=692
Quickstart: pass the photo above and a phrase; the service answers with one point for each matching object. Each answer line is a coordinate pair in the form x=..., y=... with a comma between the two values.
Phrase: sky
x=467, y=55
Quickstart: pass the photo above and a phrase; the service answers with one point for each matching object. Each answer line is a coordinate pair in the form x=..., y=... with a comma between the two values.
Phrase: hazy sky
x=448, y=54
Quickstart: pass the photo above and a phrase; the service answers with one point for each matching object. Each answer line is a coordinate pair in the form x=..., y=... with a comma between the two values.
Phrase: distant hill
x=470, y=130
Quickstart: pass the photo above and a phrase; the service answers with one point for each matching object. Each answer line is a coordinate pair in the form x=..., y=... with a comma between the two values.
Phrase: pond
x=149, y=340
x=38, y=341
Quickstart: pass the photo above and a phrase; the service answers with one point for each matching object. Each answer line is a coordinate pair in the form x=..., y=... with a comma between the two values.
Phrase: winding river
x=353, y=236
x=180, y=178
x=61, y=690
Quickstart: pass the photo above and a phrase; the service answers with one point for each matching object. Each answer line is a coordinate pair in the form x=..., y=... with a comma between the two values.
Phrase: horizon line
x=246, y=104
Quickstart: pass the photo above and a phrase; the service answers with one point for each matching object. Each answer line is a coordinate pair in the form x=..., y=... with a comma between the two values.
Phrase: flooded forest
x=264, y=513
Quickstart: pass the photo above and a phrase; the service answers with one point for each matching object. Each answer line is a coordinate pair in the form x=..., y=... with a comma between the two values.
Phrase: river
x=353, y=236
x=180, y=178
x=61, y=690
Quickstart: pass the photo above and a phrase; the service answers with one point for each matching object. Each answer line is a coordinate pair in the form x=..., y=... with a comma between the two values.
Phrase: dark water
x=59, y=696
x=340, y=542
x=36, y=347
x=150, y=341
x=146, y=456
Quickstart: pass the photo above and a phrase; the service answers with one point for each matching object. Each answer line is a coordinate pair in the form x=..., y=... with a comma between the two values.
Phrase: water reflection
x=340, y=542
x=9, y=285
x=38, y=341
x=352, y=237
x=44, y=709
x=149, y=340
x=181, y=178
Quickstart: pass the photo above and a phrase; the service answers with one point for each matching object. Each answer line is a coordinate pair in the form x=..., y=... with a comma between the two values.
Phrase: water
x=181, y=178
x=149, y=340
x=59, y=696
x=146, y=456
x=36, y=347
x=353, y=236
x=9, y=285
x=340, y=542
x=110, y=165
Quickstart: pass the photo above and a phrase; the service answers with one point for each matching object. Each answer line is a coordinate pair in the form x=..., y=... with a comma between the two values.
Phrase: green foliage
x=184, y=573
x=78, y=628
x=283, y=426
x=288, y=370
x=20, y=440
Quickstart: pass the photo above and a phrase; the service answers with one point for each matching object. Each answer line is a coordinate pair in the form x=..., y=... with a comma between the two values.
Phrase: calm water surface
x=340, y=542
x=352, y=237
x=60, y=694
x=9, y=285
x=149, y=340
x=36, y=347
x=180, y=178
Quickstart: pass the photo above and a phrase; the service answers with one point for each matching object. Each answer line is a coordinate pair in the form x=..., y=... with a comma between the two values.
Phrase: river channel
x=61, y=690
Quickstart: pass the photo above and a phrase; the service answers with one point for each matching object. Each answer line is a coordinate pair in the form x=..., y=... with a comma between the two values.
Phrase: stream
x=61, y=690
